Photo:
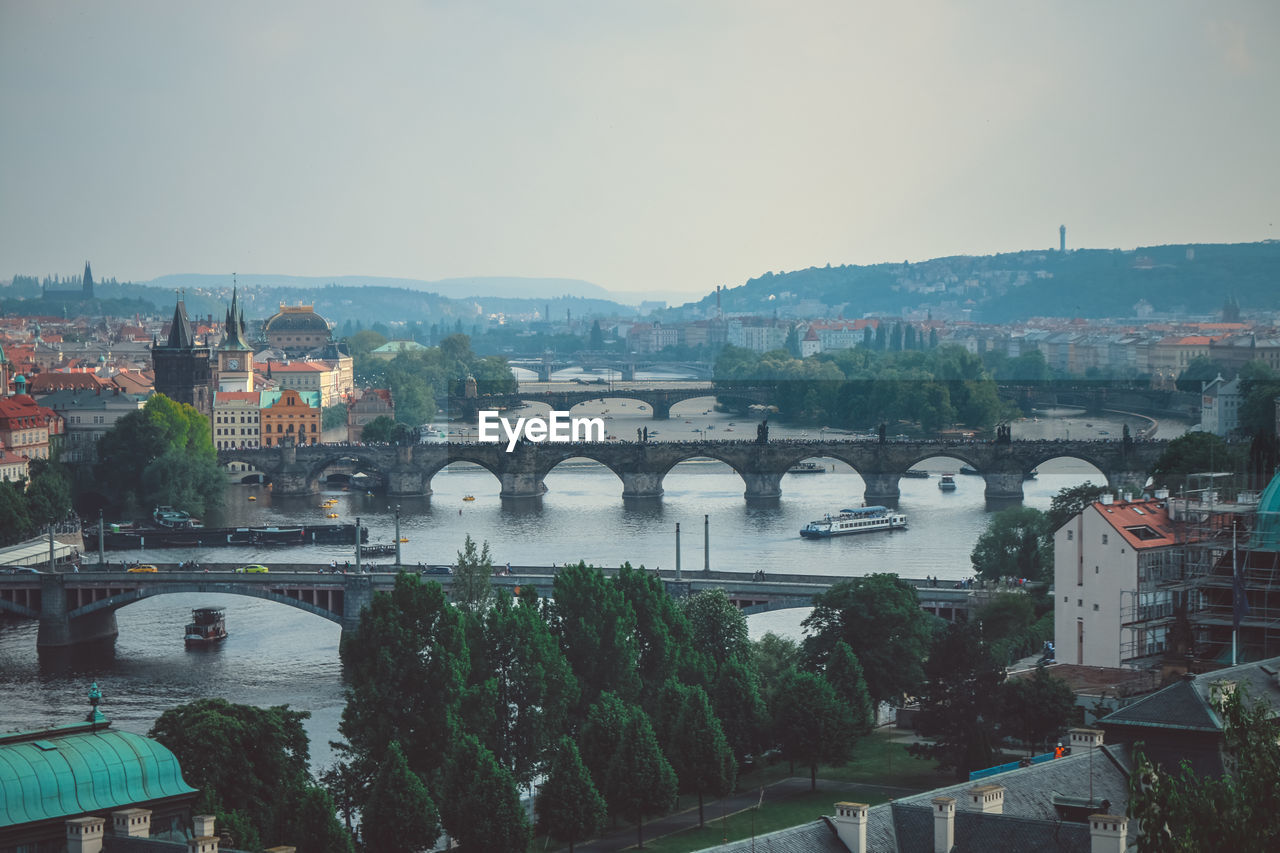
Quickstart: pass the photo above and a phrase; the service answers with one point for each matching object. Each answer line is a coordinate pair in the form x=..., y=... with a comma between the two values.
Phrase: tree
x=1037, y=708
x=1070, y=502
x=773, y=656
x=364, y=342
x=1182, y=812
x=310, y=825
x=735, y=696
x=378, y=431
x=332, y=417
x=162, y=454
x=959, y=706
x=15, y=521
x=533, y=687
x=719, y=628
x=400, y=817
x=640, y=780
x=601, y=733
x=245, y=760
x=472, y=578
x=880, y=618
x=407, y=665
x=596, y=629
x=1198, y=371
x=480, y=803
x=569, y=807
x=844, y=673
x=665, y=646
x=812, y=725
x=1192, y=453
x=698, y=750
x=1015, y=544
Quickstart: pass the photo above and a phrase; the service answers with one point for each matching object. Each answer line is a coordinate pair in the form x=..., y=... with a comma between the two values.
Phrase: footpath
x=785, y=789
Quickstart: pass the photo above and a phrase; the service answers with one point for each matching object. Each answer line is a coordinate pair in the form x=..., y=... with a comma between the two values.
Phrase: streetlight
x=397, y=536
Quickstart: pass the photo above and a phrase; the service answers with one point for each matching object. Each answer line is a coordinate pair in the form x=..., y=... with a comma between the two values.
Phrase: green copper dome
x=82, y=769
x=1266, y=533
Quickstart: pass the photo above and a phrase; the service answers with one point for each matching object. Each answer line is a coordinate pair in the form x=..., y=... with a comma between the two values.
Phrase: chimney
x=987, y=799
x=202, y=824
x=944, y=824
x=203, y=844
x=131, y=823
x=1084, y=738
x=1107, y=499
x=1107, y=833
x=1128, y=497
x=1162, y=494
x=851, y=826
x=84, y=834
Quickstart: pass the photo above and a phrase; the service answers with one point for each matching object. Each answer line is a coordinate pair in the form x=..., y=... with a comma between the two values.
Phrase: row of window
x=97, y=419
x=230, y=419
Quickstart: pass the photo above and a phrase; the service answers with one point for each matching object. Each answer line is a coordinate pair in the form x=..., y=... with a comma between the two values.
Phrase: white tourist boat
x=864, y=520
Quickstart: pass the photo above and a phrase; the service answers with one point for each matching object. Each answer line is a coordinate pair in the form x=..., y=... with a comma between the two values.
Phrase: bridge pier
x=1003, y=486
x=522, y=484
x=763, y=485
x=661, y=409
x=641, y=484
x=405, y=479
x=357, y=594
x=881, y=489
x=57, y=629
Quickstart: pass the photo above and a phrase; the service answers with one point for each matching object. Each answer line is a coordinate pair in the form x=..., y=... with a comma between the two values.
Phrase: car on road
x=18, y=570
x=437, y=570
x=143, y=569
x=252, y=570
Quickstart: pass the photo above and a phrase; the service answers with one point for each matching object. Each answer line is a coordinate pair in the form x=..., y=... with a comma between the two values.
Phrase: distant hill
x=452, y=288
x=1188, y=278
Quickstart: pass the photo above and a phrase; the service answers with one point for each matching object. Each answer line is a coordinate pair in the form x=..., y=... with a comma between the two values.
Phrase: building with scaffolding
x=1188, y=581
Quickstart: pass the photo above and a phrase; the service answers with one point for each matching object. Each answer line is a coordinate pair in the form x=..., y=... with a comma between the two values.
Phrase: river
x=278, y=655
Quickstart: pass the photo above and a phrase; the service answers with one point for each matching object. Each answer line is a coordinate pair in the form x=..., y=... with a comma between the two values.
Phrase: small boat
x=968, y=470
x=404, y=538
x=469, y=497
x=947, y=483
x=332, y=515
x=167, y=516
x=807, y=468
x=1030, y=475
x=866, y=519
x=916, y=474
x=382, y=550
x=253, y=497
x=207, y=626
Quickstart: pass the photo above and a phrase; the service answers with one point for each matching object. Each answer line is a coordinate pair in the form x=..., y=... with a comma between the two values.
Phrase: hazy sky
x=648, y=145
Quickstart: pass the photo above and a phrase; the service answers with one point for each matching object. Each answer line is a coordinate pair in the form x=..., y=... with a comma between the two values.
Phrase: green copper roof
x=77, y=769
x=1266, y=533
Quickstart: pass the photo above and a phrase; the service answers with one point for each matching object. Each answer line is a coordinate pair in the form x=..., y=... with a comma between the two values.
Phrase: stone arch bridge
x=659, y=400
x=408, y=470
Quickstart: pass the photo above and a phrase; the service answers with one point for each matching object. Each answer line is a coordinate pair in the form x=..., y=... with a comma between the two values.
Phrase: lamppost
x=397, y=536
x=822, y=434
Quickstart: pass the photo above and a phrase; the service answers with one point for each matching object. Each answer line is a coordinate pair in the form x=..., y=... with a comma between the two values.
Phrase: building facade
x=288, y=416
x=184, y=371
x=235, y=356
x=296, y=329
x=87, y=416
x=28, y=429
x=236, y=420
x=372, y=403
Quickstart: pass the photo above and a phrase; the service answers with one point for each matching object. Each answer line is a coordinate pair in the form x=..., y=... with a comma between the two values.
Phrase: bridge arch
x=364, y=463
x=132, y=596
x=581, y=451
x=430, y=470
x=18, y=610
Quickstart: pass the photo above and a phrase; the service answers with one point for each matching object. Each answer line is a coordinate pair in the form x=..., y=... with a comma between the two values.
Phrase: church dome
x=297, y=318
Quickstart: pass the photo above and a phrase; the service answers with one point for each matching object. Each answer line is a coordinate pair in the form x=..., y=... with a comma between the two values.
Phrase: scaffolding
x=1225, y=538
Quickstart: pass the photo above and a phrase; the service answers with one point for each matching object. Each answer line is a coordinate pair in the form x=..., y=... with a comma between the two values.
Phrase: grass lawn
x=877, y=760
x=768, y=818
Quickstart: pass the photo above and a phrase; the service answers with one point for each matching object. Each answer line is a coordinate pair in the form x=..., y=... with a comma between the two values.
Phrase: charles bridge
x=79, y=608
x=658, y=399
x=407, y=470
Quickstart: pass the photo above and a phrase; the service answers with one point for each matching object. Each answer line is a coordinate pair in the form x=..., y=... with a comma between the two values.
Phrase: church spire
x=181, y=335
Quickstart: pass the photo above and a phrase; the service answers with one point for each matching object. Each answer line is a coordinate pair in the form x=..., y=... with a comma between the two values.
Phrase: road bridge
x=641, y=466
x=658, y=400
x=81, y=607
x=625, y=366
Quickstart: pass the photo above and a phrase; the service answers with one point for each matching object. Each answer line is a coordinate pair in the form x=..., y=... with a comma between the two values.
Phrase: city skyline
x=669, y=148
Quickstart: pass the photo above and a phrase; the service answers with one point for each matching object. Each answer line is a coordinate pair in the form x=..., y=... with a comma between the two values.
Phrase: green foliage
x=719, y=629
x=959, y=705
x=773, y=656
x=363, y=342
x=596, y=628
x=407, y=665
x=665, y=644
x=1195, y=452
x=640, y=781
x=472, y=588
x=568, y=806
x=844, y=673
x=310, y=825
x=1182, y=812
x=333, y=416
x=1036, y=709
x=601, y=733
x=244, y=759
x=400, y=817
x=380, y=430
x=860, y=388
x=162, y=454
x=27, y=506
x=735, y=695
x=532, y=685
x=811, y=723
x=1070, y=502
x=15, y=519
x=1017, y=543
x=879, y=617
x=698, y=751
x=480, y=803
x=1198, y=371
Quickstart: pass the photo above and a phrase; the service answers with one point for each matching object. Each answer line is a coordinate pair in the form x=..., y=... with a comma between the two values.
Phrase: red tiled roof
x=1143, y=524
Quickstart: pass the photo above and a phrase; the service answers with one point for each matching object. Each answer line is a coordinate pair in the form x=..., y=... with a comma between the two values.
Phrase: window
x=1071, y=534
x=1104, y=539
x=1095, y=607
x=1079, y=602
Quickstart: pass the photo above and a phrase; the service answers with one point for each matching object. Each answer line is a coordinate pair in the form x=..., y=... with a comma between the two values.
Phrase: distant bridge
x=408, y=470
x=623, y=365
x=658, y=399
x=77, y=608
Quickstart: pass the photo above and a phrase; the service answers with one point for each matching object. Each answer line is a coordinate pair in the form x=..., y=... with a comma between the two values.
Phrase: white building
x=1111, y=565
x=1220, y=403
